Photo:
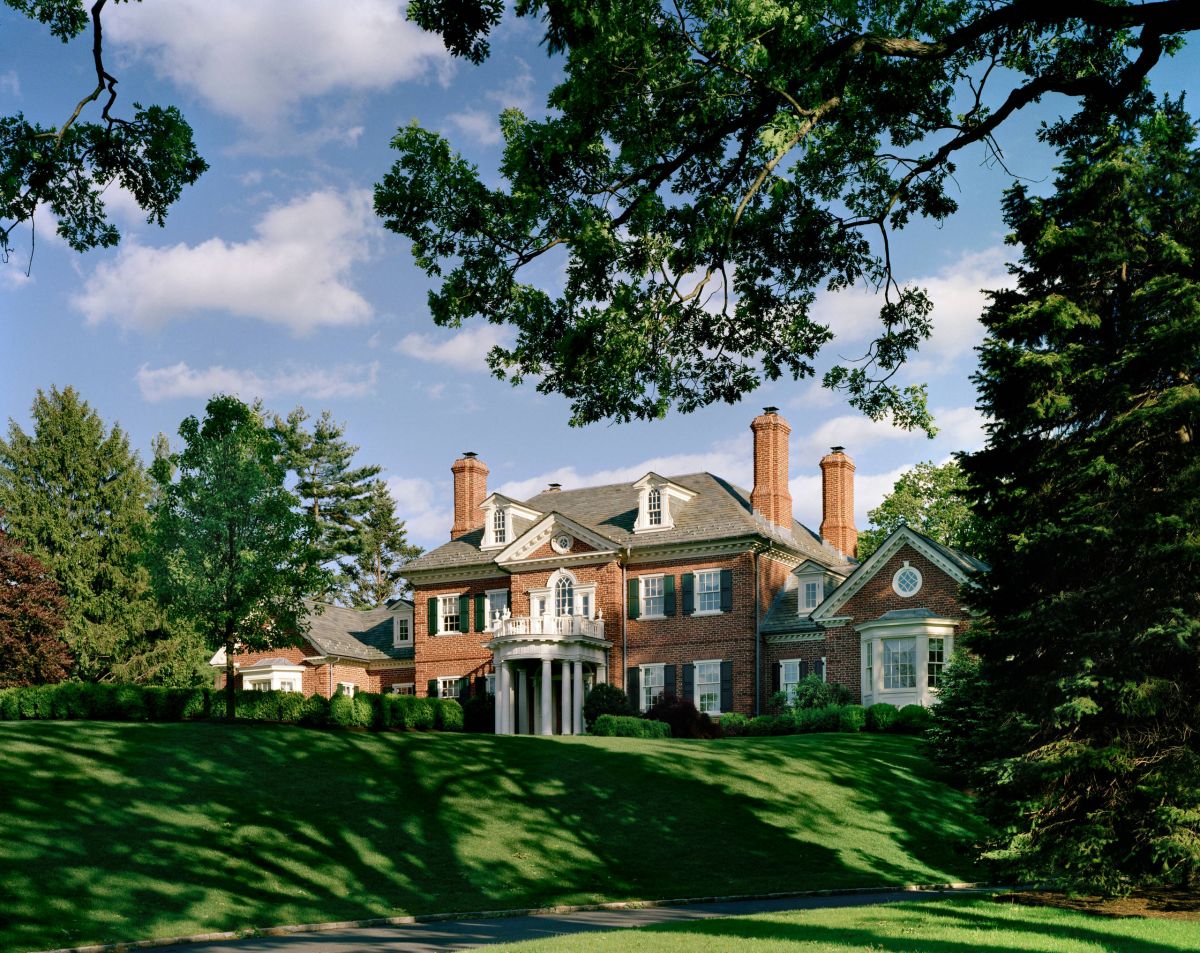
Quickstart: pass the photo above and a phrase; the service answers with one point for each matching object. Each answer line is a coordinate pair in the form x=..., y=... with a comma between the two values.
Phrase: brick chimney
x=837, y=502
x=771, y=496
x=470, y=489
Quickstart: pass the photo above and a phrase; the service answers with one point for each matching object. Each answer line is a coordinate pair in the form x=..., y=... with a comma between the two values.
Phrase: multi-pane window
x=404, y=688
x=401, y=630
x=448, y=686
x=899, y=663
x=652, y=684
x=708, y=591
x=346, y=688
x=490, y=683
x=652, y=595
x=497, y=602
x=708, y=687
x=937, y=660
x=263, y=685
x=789, y=677
x=564, y=596
x=654, y=513
x=810, y=595
x=585, y=604
x=499, y=527
x=907, y=580
x=448, y=617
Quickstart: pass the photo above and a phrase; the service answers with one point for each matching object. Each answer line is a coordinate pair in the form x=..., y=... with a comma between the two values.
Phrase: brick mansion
x=684, y=584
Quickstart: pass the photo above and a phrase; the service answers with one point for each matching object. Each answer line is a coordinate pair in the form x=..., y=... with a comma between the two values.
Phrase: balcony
x=548, y=627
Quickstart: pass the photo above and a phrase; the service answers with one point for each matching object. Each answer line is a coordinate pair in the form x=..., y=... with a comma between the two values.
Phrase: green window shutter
x=480, y=612
x=433, y=615
x=464, y=613
x=689, y=682
x=464, y=689
x=669, y=679
x=433, y=692
x=689, y=593
x=633, y=612
x=775, y=677
x=726, y=686
x=668, y=596
x=632, y=687
x=726, y=591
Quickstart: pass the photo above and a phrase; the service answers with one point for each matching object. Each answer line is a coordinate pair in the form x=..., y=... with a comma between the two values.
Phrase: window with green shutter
x=726, y=590
x=632, y=599
x=689, y=593
x=432, y=617
x=668, y=595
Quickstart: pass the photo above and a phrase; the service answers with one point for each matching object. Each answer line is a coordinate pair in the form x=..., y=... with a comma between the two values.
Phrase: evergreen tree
x=32, y=617
x=375, y=574
x=930, y=499
x=228, y=550
x=74, y=496
x=334, y=494
x=1089, y=646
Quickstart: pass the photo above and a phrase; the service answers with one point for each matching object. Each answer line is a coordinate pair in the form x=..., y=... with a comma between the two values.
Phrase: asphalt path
x=482, y=931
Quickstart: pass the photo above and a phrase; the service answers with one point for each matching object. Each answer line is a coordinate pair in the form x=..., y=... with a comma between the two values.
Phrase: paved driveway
x=466, y=934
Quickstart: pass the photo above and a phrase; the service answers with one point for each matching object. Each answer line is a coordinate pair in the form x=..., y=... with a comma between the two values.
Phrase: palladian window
x=564, y=596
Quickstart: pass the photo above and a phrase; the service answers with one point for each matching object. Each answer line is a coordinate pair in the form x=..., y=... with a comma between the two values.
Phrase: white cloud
x=869, y=491
x=482, y=125
x=295, y=273
x=258, y=61
x=10, y=84
x=426, y=510
x=465, y=350
x=180, y=380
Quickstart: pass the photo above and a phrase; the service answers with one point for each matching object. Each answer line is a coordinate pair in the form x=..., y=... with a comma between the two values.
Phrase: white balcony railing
x=549, y=626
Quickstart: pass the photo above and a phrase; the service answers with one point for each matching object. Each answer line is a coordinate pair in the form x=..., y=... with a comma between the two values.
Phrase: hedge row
x=912, y=719
x=84, y=701
x=630, y=726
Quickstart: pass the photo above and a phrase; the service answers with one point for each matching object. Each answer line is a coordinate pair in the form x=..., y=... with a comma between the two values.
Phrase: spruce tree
x=74, y=495
x=1089, y=639
x=333, y=493
x=375, y=573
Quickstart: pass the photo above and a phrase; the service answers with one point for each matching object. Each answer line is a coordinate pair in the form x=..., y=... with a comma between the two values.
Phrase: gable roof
x=718, y=511
x=954, y=562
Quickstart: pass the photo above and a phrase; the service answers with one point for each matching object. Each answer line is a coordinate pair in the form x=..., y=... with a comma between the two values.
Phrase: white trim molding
x=909, y=634
x=655, y=489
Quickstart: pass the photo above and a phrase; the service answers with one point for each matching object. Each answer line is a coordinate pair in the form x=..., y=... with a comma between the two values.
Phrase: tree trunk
x=230, y=697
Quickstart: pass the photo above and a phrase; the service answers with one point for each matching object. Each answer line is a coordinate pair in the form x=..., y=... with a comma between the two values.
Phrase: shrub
x=9, y=710
x=812, y=692
x=479, y=714
x=913, y=720
x=605, y=699
x=341, y=711
x=763, y=725
x=629, y=726
x=71, y=700
x=129, y=703
x=880, y=716
x=315, y=711
x=852, y=718
x=448, y=715
x=778, y=703
x=684, y=720
x=374, y=702
x=419, y=715
x=734, y=724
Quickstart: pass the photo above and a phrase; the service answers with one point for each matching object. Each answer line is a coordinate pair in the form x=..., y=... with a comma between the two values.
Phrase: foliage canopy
x=932, y=500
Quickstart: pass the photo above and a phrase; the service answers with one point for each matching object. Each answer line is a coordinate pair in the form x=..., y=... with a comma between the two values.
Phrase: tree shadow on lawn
x=917, y=920
x=119, y=832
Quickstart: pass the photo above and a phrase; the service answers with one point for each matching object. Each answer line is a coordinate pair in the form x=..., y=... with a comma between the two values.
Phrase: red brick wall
x=442, y=655
x=382, y=680
x=312, y=681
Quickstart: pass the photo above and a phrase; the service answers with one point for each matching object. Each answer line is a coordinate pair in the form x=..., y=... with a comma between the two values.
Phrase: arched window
x=499, y=528
x=564, y=596
x=654, y=507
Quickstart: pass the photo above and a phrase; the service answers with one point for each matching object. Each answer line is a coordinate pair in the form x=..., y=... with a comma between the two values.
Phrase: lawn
x=976, y=925
x=131, y=831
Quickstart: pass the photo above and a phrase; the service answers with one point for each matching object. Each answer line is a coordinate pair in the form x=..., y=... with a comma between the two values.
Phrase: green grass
x=934, y=926
x=121, y=832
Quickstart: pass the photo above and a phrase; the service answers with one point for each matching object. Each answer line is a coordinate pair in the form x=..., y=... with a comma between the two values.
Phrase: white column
x=547, y=725
x=566, y=697
x=501, y=727
x=522, y=702
x=577, y=715
x=601, y=674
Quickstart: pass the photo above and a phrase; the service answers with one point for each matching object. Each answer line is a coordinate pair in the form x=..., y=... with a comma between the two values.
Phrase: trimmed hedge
x=92, y=702
x=913, y=720
x=880, y=716
x=629, y=726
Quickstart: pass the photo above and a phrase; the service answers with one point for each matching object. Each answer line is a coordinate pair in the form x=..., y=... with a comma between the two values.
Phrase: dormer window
x=500, y=514
x=810, y=598
x=499, y=527
x=654, y=508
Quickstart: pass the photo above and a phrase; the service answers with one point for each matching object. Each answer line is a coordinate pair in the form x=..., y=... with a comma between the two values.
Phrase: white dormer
x=498, y=514
x=813, y=583
x=656, y=495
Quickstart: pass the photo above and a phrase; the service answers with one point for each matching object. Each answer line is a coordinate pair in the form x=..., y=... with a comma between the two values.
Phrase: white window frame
x=442, y=614
x=489, y=683
x=875, y=632
x=655, y=508
x=907, y=569
x=696, y=691
x=400, y=639
x=499, y=526
x=404, y=688
x=698, y=593
x=933, y=678
x=493, y=612
x=643, y=598
x=789, y=685
x=643, y=684
x=564, y=595
x=258, y=684
x=277, y=677
x=808, y=604
x=448, y=681
x=895, y=671
x=349, y=689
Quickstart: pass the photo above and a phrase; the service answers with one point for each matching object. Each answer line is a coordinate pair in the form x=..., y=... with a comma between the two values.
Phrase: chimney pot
x=554, y=488
x=770, y=410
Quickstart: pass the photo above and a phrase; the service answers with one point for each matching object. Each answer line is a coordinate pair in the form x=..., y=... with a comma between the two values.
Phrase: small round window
x=907, y=581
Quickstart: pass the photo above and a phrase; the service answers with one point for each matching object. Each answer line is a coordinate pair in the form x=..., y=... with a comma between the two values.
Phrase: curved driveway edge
x=457, y=931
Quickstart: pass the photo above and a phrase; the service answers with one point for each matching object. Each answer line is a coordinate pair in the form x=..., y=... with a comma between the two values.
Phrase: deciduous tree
x=228, y=548
x=32, y=619
x=1089, y=640
x=708, y=166
x=932, y=500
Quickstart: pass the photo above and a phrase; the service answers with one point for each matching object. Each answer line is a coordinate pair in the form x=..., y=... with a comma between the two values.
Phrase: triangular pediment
x=901, y=537
x=529, y=544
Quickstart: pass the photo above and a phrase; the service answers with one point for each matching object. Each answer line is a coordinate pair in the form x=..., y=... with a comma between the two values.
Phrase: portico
x=530, y=656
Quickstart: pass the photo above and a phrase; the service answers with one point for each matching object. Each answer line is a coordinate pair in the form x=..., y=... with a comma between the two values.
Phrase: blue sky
x=273, y=279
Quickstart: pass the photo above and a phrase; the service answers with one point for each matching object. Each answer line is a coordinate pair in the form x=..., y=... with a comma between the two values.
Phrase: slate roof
x=719, y=510
x=360, y=634
x=784, y=614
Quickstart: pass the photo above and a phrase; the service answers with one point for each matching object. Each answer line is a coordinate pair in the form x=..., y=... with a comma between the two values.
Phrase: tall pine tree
x=375, y=573
x=74, y=495
x=1089, y=648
